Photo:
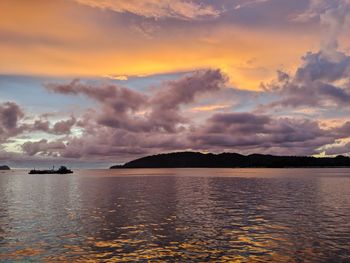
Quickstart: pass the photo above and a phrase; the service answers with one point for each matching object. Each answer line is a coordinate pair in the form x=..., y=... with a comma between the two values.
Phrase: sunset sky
x=98, y=82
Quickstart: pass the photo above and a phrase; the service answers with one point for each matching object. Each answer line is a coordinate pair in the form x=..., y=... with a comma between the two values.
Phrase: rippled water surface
x=176, y=215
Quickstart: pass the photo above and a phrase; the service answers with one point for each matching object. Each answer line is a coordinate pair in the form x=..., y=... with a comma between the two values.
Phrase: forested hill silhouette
x=231, y=160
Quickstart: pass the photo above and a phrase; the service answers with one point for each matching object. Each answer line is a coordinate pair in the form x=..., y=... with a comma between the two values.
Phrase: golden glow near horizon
x=64, y=38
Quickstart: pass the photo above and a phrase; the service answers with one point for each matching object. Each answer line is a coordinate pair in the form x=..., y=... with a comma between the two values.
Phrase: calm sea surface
x=176, y=215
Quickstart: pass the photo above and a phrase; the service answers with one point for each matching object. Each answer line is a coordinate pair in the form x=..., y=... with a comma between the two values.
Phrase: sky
x=89, y=83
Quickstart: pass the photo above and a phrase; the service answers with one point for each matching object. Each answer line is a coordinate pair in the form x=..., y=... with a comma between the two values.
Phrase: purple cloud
x=336, y=150
x=129, y=123
x=43, y=147
x=261, y=132
x=123, y=108
x=322, y=81
x=59, y=128
x=10, y=116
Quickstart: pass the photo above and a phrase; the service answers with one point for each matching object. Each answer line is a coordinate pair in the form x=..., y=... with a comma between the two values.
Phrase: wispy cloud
x=210, y=107
x=244, y=4
x=179, y=9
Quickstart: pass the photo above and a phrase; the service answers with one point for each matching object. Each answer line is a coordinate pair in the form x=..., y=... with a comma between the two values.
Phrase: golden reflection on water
x=175, y=218
x=152, y=252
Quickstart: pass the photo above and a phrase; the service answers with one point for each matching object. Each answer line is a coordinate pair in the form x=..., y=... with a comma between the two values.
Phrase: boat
x=61, y=170
x=4, y=167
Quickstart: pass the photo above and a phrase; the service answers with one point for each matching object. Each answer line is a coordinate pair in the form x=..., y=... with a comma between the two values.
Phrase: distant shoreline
x=258, y=167
x=233, y=160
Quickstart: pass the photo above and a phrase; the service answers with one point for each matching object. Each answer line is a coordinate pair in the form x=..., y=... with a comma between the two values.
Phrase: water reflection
x=222, y=215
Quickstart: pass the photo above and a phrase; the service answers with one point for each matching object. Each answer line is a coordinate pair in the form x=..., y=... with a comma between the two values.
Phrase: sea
x=176, y=215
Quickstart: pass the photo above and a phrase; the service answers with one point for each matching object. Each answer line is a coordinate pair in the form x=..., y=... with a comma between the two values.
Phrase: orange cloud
x=210, y=107
x=65, y=38
x=155, y=8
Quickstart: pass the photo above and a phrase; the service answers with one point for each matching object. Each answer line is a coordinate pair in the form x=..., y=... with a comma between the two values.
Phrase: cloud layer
x=129, y=123
x=126, y=123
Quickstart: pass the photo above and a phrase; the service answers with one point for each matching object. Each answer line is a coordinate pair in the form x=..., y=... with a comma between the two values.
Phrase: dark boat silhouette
x=61, y=170
x=4, y=167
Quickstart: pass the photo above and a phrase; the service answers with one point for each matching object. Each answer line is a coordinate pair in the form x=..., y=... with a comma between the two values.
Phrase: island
x=232, y=160
x=4, y=167
x=61, y=170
